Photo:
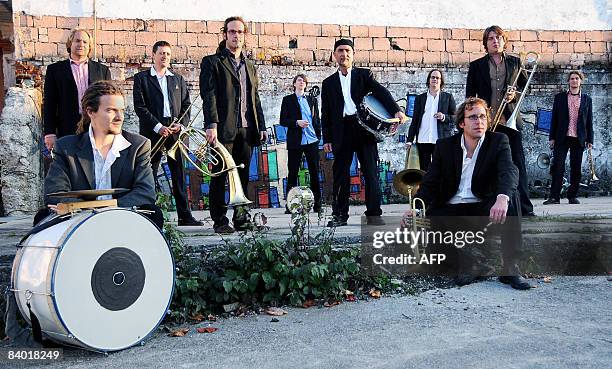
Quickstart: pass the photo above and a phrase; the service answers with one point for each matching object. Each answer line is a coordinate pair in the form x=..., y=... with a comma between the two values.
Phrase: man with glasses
x=470, y=178
x=489, y=78
x=233, y=116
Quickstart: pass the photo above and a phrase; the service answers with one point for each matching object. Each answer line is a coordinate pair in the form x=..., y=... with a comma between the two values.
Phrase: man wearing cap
x=342, y=135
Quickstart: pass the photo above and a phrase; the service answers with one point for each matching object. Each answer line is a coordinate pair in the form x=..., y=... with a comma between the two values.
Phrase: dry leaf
x=197, y=317
x=330, y=304
x=275, y=311
x=375, y=293
x=308, y=303
x=207, y=329
x=212, y=318
x=178, y=332
x=548, y=279
x=351, y=298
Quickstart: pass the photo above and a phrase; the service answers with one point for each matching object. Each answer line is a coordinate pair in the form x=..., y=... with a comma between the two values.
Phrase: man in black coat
x=300, y=114
x=432, y=118
x=161, y=97
x=472, y=175
x=342, y=135
x=65, y=84
x=233, y=116
x=489, y=78
x=571, y=129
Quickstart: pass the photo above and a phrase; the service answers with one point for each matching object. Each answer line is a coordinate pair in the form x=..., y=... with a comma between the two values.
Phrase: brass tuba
x=206, y=154
x=529, y=63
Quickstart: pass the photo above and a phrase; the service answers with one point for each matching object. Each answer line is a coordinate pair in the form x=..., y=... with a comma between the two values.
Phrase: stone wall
x=399, y=56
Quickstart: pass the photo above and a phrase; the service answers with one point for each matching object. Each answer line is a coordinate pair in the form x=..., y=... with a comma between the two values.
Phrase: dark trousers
x=355, y=140
x=571, y=144
x=178, y=179
x=155, y=215
x=425, y=154
x=518, y=158
x=294, y=160
x=474, y=217
x=241, y=153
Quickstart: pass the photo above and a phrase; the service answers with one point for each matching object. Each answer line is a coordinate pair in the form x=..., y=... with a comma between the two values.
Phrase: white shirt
x=163, y=84
x=102, y=167
x=464, y=194
x=345, y=82
x=428, y=131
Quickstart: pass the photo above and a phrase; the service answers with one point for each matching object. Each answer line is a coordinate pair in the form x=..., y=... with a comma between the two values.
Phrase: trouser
x=178, y=179
x=518, y=158
x=425, y=154
x=241, y=153
x=571, y=144
x=311, y=151
x=355, y=140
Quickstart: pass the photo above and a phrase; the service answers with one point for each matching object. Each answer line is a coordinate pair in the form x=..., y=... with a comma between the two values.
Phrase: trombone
x=592, y=175
x=529, y=63
x=161, y=143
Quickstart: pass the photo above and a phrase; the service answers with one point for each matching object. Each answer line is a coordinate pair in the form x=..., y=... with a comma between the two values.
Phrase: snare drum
x=374, y=118
x=101, y=280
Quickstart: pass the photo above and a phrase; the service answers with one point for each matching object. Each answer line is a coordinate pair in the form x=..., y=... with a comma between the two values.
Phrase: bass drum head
x=113, y=280
x=376, y=108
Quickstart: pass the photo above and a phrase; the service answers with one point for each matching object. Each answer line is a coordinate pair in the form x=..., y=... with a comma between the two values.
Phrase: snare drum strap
x=36, y=331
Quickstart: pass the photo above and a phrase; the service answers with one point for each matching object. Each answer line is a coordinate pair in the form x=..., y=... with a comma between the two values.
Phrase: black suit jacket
x=560, y=119
x=332, y=102
x=149, y=101
x=479, y=82
x=220, y=92
x=446, y=106
x=73, y=169
x=61, y=101
x=289, y=115
x=494, y=172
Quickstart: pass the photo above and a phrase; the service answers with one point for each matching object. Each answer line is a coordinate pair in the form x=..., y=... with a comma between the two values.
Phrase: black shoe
x=375, y=220
x=515, y=281
x=529, y=214
x=243, y=226
x=337, y=222
x=287, y=211
x=191, y=222
x=465, y=279
x=224, y=229
x=573, y=200
x=551, y=201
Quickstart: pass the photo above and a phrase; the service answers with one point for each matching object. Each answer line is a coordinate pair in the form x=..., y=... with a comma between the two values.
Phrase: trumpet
x=161, y=143
x=216, y=156
x=592, y=175
x=529, y=63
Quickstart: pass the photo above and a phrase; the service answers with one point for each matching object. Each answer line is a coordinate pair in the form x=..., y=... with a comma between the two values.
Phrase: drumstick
x=392, y=120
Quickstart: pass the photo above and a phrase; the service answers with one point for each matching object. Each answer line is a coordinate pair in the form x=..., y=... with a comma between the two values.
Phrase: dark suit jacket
x=61, y=101
x=289, y=115
x=149, y=101
x=220, y=92
x=479, y=82
x=494, y=172
x=73, y=169
x=560, y=119
x=446, y=106
x=332, y=102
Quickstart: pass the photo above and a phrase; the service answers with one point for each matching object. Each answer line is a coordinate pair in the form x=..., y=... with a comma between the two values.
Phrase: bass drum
x=100, y=280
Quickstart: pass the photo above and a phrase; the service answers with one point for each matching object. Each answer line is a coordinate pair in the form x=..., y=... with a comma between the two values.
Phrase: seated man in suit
x=433, y=117
x=300, y=114
x=65, y=84
x=472, y=174
x=103, y=156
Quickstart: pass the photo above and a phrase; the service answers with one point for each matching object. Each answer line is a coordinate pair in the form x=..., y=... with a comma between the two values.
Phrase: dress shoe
x=224, y=229
x=337, y=222
x=375, y=220
x=191, y=222
x=573, y=200
x=551, y=201
x=287, y=211
x=515, y=281
x=478, y=272
x=529, y=214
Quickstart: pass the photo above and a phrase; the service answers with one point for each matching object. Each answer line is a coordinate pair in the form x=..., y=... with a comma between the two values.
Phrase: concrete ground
x=563, y=323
